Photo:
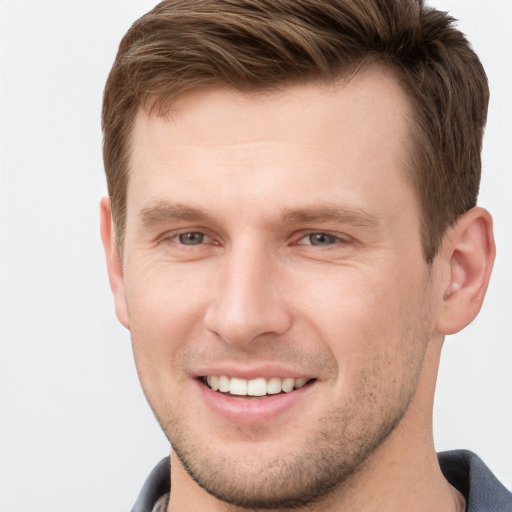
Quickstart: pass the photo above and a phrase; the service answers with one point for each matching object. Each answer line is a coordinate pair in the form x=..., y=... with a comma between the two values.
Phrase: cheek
x=371, y=320
x=165, y=310
x=161, y=296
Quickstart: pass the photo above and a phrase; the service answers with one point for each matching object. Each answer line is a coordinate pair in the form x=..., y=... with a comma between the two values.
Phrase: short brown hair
x=257, y=45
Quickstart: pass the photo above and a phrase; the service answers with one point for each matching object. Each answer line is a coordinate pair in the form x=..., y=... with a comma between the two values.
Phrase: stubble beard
x=285, y=482
x=333, y=453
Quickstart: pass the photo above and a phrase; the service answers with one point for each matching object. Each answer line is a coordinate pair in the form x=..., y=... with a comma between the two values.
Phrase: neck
x=410, y=479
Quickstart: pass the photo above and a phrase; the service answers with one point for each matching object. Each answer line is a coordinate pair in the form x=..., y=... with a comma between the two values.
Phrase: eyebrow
x=351, y=215
x=171, y=212
x=166, y=212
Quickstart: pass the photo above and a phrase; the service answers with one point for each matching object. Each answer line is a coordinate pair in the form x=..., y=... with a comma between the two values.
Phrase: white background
x=75, y=432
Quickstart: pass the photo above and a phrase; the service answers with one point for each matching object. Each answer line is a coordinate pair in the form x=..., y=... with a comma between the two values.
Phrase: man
x=291, y=232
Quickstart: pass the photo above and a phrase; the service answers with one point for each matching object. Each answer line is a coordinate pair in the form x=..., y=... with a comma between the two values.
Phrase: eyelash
x=174, y=238
x=334, y=239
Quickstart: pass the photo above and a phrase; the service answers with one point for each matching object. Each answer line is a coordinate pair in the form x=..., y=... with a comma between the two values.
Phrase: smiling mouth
x=259, y=387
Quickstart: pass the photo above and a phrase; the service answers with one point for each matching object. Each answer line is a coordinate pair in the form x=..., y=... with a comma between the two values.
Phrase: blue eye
x=320, y=240
x=191, y=238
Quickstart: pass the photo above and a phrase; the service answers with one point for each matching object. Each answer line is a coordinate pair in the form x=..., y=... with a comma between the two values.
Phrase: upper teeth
x=254, y=387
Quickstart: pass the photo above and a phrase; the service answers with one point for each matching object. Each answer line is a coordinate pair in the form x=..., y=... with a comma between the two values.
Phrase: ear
x=468, y=253
x=114, y=263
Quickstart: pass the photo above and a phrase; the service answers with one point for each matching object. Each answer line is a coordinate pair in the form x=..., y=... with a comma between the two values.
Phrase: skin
x=362, y=314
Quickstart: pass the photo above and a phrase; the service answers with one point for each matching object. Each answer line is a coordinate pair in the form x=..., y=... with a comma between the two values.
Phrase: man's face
x=274, y=240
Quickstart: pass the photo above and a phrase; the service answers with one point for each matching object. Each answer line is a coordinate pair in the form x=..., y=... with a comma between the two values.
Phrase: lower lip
x=252, y=411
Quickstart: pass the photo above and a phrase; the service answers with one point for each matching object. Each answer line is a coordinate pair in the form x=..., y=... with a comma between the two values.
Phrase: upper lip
x=252, y=372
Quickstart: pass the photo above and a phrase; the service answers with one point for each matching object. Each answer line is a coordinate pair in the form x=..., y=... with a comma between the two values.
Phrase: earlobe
x=113, y=258
x=468, y=253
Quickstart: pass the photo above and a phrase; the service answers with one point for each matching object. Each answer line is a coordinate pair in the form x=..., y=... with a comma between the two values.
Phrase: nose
x=248, y=299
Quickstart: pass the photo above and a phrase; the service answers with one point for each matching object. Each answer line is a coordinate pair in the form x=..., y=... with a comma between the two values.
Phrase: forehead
x=222, y=142
x=374, y=95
